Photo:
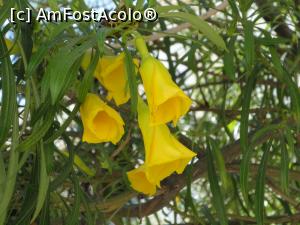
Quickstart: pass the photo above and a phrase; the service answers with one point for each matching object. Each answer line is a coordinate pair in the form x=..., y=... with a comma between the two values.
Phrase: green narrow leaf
x=290, y=140
x=192, y=63
x=284, y=167
x=128, y=3
x=245, y=5
x=245, y=163
x=67, y=168
x=50, y=156
x=271, y=42
x=132, y=82
x=152, y=3
x=266, y=129
x=26, y=32
x=62, y=68
x=2, y=176
x=229, y=67
x=285, y=77
x=43, y=183
x=37, y=133
x=244, y=173
x=260, y=185
x=72, y=74
x=44, y=218
x=189, y=201
x=249, y=44
x=234, y=8
x=8, y=86
x=64, y=126
x=53, y=4
x=246, y=149
x=200, y=25
x=80, y=164
x=101, y=37
x=217, y=197
x=5, y=10
x=89, y=214
x=12, y=170
x=61, y=75
x=208, y=216
x=74, y=216
x=88, y=78
x=59, y=30
x=232, y=28
x=38, y=114
x=139, y=4
x=246, y=99
x=39, y=55
x=29, y=202
x=220, y=165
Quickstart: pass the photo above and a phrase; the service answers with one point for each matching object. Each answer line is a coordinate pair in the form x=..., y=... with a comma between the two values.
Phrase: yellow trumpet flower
x=111, y=73
x=139, y=181
x=164, y=153
x=167, y=102
x=101, y=123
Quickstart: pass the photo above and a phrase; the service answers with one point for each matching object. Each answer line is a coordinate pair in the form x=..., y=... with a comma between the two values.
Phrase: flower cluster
x=164, y=154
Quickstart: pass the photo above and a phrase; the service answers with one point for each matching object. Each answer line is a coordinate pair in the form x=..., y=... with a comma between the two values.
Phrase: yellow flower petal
x=10, y=44
x=101, y=122
x=139, y=181
x=167, y=102
x=86, y=60
x=111, y=73
x=164, y=153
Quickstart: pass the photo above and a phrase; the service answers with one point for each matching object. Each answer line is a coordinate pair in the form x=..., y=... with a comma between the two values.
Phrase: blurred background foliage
x=243, y=125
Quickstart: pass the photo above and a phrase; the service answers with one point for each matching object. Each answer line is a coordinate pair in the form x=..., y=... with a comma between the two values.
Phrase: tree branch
x=184, y=26
x=278, y=24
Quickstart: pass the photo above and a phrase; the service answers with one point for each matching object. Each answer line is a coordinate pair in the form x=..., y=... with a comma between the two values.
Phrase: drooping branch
x=269, y=220
x=271, y=171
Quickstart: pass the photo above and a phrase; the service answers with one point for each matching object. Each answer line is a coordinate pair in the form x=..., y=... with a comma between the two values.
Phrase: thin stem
x=141, y=47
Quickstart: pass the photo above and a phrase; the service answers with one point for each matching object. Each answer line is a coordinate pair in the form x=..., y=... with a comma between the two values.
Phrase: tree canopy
x=202, y=105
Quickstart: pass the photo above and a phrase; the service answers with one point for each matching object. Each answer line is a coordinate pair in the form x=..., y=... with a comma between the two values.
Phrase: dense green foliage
x=239, y=65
